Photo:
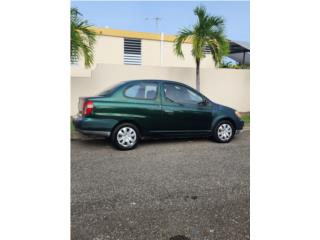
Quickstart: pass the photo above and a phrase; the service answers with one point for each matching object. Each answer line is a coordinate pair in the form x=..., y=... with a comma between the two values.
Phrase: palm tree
x=208, y=32
x=82, y=39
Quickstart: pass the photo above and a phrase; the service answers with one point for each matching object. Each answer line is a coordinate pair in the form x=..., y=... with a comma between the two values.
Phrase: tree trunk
x=198, y=75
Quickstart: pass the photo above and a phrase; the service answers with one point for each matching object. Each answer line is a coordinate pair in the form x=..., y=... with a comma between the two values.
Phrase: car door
x=184, y=111
x=139, y=102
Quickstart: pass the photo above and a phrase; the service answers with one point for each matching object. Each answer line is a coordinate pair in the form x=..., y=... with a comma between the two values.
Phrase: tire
x=125, y=136
x=223, y=132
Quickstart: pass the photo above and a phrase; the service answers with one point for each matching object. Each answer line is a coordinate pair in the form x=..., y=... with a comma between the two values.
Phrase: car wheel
x=125, y=136
x=223, y=132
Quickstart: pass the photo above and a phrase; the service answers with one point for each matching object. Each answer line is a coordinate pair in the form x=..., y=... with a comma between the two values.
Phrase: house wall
x=109, y=50
x=150, y=52
x=230, y=87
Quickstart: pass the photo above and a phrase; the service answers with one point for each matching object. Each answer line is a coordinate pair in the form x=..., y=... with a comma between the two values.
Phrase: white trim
x=161, y=48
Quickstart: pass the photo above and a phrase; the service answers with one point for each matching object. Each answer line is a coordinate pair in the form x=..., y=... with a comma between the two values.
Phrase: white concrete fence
x=230, y=87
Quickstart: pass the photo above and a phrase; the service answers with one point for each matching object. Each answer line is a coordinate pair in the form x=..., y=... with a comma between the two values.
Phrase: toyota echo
x=135, y=110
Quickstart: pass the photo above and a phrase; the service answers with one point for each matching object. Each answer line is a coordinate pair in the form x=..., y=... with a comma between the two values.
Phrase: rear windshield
x=110, y=90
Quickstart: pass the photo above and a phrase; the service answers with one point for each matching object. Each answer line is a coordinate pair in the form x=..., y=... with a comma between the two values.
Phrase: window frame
x=137, y=98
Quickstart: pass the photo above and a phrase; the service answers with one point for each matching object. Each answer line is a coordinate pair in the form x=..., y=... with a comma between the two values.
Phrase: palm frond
x=207, y=31
x=219, y=47
x=82, y=38
x=198, y=44
x=215, y=23
x=200, y=12
x=182, y=36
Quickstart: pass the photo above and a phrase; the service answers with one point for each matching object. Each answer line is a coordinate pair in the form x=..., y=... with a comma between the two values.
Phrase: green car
x=135, y=110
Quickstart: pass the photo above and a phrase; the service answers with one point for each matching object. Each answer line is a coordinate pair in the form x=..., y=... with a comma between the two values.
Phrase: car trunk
x=82, y=100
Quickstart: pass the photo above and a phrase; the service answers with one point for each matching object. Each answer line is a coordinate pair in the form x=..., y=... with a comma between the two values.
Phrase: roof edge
x=132, y=34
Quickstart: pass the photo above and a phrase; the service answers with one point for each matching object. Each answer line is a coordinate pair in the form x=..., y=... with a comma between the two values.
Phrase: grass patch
x=246, y=118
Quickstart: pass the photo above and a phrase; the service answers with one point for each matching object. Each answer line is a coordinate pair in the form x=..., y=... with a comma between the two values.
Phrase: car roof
x=154, y=80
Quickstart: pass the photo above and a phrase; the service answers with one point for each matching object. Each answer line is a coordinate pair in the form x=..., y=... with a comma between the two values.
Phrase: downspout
x=161, y=48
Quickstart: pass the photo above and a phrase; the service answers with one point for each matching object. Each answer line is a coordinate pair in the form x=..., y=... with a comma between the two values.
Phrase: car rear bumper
x=96, y=133
x=83, y=125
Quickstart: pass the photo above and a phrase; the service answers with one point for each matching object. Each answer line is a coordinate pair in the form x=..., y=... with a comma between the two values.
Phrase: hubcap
x=127, y=137
x=225, y=132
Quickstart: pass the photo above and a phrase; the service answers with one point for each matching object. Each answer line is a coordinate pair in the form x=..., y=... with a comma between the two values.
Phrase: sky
x=139, y=16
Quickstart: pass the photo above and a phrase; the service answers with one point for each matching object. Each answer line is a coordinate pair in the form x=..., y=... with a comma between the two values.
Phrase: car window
x=142, y=91
x=180, y=94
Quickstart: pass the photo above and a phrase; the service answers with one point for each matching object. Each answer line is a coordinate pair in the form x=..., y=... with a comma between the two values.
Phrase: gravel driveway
x=169, y=189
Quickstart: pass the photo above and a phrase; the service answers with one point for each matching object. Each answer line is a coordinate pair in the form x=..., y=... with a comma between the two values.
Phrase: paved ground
x=173, y=189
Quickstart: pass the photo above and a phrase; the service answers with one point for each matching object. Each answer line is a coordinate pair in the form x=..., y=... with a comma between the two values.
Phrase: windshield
x=109, y=90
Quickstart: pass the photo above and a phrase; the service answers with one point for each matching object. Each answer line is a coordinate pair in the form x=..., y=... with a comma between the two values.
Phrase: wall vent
x=132, y=51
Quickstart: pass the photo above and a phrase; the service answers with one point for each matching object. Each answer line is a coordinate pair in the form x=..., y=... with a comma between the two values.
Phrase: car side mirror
x=204, y=102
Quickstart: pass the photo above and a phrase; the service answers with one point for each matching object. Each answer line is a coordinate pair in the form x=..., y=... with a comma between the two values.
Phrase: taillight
x=87, y=108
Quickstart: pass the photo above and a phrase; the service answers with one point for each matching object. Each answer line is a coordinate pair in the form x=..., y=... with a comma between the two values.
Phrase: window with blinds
x=132, y=51
x=74, y=59
x=206, y=50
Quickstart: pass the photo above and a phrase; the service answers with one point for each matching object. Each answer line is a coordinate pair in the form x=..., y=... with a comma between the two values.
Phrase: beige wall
x=226, y=86
x=150, y=52
x=230, y=87
x=109, y=50
x=77, y=70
